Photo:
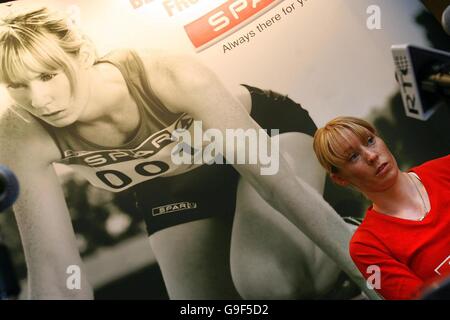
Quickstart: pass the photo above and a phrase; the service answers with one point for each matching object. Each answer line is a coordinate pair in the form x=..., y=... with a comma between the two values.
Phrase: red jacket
x=409, y=254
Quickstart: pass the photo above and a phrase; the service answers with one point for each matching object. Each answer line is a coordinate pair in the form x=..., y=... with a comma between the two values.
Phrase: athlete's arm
x=42, y=216
x=187, y=86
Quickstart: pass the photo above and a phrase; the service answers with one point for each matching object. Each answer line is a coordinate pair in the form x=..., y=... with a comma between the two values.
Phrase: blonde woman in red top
x=404, y=238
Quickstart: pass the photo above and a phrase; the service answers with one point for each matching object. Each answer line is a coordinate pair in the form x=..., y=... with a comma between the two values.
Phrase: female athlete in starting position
x=111, y=118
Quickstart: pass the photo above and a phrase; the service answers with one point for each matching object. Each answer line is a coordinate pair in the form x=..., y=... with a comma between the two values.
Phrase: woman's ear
x=339, y=180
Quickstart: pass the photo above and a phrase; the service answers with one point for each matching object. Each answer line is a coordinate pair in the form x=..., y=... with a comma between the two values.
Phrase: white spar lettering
x=221, y=20
x=104, y=158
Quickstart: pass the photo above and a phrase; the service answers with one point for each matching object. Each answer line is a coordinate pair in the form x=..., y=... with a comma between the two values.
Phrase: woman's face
x=369, y=165
x=49, y=97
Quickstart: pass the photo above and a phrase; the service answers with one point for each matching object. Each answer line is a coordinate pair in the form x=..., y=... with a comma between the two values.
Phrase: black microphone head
x=446, y=20
x=9, y=188
x=438, y=291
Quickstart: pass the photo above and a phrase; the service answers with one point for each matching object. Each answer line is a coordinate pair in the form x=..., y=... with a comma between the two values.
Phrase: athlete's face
x=49, y=97
x=369, y=165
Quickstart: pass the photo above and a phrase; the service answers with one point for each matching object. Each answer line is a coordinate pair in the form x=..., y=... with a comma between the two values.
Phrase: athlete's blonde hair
x=326, y=140
x=38, y=41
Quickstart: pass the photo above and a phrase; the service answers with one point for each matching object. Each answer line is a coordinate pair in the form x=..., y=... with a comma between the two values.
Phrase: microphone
x=9, y=283
x=9, y=191
x=9, y=188
x=446, y=20
x=424, y=78
x=439, y=290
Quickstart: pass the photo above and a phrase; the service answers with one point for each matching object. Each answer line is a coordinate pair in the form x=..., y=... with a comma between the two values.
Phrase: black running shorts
x=210, y=190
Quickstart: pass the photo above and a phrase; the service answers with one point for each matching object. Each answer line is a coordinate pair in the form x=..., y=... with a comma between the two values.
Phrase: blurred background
x=111, y=233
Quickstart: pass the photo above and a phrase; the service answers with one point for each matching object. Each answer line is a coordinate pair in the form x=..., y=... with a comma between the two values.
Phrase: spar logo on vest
x=184, y=123
x=118, y=169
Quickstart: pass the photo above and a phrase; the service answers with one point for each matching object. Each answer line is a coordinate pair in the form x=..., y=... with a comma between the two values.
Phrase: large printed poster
x=298, y=48
x=119, y=176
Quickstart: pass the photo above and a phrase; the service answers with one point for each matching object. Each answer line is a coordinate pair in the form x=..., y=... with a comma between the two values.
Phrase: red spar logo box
x=222, y=19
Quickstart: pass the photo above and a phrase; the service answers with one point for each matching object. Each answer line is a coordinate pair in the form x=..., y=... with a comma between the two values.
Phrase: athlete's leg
x=194, y=259
x=191, y=237
x=270, y=257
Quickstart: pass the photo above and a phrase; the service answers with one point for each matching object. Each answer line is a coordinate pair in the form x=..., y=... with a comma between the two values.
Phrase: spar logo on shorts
x=174, y=207
x=444, y=267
